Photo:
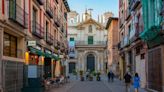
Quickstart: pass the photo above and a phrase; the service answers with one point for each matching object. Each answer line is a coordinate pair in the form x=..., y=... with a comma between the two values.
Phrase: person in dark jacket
x=112, y=76
x=109, y=76
x=127, y=79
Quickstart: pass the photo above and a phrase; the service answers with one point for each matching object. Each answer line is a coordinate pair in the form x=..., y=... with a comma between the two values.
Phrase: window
x=10, y=45
x=90, y=39
x=72, y=39
x=142, y=56
x=46, y=30
x=34, y=19
x=90, y=29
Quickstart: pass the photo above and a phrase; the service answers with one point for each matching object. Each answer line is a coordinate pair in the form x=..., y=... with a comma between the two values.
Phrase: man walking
x=127, y=79
x=109, y=75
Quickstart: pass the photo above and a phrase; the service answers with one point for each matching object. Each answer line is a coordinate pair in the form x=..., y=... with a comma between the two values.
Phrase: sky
x=99, y=6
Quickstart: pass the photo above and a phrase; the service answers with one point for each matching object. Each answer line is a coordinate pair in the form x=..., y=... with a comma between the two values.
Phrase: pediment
x=88, y=22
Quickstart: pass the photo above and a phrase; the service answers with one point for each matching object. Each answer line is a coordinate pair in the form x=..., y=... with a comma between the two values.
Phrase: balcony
x=37, y=30
x=134, y=4
x=56, y=21
x=95, y=44
x=57, y=1
x=41, y=2
x=18, y=14
x=121, y=22
x=65, y=16
x=49, y=10
x=126, y=41
x=128, y=14
x=49, y=39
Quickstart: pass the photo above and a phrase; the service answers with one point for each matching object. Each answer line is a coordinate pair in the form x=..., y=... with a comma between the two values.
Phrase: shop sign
x=31, y=43
x=61, y=56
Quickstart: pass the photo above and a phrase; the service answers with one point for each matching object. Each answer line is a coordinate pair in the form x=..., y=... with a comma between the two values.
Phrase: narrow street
x=93, y=86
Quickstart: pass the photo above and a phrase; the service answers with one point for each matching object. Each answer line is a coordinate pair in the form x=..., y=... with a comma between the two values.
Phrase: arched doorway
x=91, y=62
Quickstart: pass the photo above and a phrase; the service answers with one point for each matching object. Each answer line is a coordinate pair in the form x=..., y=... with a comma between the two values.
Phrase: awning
x=36, y=51
x=47, y=55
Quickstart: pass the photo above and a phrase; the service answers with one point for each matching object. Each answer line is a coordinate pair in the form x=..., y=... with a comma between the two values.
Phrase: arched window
x=90, y=29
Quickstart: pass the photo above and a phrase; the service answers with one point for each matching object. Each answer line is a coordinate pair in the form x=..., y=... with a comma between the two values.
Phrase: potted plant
x=81, y=75
x=98, y=78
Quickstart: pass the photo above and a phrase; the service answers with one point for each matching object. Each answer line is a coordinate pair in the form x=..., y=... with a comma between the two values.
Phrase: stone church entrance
x=91, y=62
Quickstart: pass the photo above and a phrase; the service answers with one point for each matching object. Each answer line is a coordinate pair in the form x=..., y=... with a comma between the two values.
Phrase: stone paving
x=93, y=86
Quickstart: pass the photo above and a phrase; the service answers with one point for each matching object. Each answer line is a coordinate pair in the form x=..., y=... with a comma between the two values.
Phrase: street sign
x=31, y=43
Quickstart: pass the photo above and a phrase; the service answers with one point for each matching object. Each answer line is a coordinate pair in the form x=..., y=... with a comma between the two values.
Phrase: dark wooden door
x=154, y=70
x=91, y=62
x=71, y=67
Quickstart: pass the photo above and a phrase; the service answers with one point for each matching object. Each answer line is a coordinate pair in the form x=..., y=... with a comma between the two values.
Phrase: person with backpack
x=127, y=79
x=136, y=82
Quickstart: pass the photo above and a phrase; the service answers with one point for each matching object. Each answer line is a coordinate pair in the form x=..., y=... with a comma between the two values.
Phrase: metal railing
x=49, y=38
x=18, y=14
x=41, y=2
x=104, y=43
x=56, y=21
x=49, y=9
x=134, y=4
x=37, y=29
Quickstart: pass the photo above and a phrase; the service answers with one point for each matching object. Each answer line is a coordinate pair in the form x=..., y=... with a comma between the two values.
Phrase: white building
x=88, y=42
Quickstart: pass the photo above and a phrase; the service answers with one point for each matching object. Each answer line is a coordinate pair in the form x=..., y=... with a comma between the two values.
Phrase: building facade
x=112, y=50
x=90, y=43
x=132, y=48
x=33, y=33
x=153, y=37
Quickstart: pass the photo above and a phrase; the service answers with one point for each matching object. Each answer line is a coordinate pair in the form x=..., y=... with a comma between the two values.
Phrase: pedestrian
x=112, y=76
x=127, y=79
x=109, y=76
x=136, y=82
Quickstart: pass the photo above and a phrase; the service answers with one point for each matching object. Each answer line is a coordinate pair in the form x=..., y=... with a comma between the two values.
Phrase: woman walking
x=136, y=82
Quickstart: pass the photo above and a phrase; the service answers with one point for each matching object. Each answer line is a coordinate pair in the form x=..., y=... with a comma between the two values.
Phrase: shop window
x=10, y=45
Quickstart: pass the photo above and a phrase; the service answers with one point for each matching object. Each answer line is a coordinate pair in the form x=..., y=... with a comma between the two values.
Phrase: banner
x=72, y=49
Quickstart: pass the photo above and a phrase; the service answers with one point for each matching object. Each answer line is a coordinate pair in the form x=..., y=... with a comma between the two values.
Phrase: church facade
x=87, y=43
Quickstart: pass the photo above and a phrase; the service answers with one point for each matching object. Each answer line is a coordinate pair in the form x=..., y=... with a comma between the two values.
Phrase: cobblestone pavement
x=93, y=86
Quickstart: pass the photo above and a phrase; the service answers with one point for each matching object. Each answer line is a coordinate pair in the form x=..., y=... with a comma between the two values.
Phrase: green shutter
x=90, y=39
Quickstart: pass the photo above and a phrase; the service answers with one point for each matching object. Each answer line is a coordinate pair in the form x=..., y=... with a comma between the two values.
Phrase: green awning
x=47, y=55
x=55, y=57
x=36, y=51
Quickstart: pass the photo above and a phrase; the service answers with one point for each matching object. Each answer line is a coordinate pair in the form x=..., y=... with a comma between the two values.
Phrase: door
x=90, y=62
x=71, y=67
x=154, y=70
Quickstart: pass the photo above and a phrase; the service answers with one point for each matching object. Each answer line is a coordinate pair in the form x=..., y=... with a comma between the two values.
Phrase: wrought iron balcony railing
x=18, y=14
x=37, y=29
x=49, y=9
x=128, y=14
x=41, y=2
x=95, y=43
x=134, y=4
x=56, y=21
x=49, y=39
